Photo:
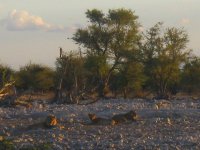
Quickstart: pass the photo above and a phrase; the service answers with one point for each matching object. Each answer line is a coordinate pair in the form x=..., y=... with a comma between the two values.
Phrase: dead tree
x=58, y=95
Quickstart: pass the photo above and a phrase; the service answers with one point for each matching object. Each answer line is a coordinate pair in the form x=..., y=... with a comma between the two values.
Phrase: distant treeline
x=116, y=58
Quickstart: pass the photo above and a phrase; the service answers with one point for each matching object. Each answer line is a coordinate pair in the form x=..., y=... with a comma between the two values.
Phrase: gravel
x=173, y=126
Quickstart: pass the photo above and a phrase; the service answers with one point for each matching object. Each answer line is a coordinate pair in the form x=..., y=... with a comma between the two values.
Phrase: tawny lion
x=99, y=120
x=116, y=119
x=122, y=118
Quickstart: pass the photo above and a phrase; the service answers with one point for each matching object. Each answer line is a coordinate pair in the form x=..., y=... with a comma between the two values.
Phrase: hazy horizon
x=34, y=30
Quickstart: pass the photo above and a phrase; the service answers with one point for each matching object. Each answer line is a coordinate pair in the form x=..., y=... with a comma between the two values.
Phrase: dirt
x=172, y=126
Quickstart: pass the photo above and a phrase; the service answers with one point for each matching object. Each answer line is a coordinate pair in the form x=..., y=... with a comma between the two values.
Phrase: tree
x=190, y=80
x=128, y=78
x=109, y=38
x=164, y=51
x=70, y=77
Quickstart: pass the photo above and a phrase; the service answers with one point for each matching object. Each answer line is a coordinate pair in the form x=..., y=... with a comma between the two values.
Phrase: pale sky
x=33, y=30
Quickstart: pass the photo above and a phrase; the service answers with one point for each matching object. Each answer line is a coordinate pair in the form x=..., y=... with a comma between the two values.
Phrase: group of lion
x=52, y=121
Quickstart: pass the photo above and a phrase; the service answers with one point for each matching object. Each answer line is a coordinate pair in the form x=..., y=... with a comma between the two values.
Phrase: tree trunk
x=162, y=94
x=101, y=89
x=58, y=96
x=125, y=93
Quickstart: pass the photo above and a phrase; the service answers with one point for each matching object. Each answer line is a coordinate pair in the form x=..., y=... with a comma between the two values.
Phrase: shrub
x=35, y=77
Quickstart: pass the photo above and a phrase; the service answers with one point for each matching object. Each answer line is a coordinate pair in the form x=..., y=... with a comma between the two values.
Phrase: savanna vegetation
x=115, y=59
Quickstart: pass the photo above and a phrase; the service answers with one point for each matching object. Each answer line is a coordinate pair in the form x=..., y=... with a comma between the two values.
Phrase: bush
x=190, y=77
x=6, y=75
x=6, y=145
x=35, y=77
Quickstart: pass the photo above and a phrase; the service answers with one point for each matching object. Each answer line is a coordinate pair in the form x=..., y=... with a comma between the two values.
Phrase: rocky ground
x=173, y=125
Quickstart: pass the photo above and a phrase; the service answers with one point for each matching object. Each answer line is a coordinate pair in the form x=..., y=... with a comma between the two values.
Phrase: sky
x=33, y=30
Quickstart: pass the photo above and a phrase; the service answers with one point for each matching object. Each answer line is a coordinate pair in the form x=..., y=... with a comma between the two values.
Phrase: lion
x=162, y=104
x=51, y=121
x=126, y=117
x=99, y=120
x=116, y=119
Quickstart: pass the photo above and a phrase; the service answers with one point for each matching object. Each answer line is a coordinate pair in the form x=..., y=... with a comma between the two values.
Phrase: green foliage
x=116, y=56
x=135, y=76
x=129, y=77
x=6, y=145
x=96, y=68
x=190, y=80
x=6, y=75
x=163, y=53
x=35, y=77
x=109, y=40
x=70, y=68
x=118, y=81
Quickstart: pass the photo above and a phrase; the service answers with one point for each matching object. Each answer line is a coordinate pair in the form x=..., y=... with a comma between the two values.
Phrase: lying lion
x=50, y=122
x=162, y=104
x=122, y=118
x=116, y=119
x=99, y=120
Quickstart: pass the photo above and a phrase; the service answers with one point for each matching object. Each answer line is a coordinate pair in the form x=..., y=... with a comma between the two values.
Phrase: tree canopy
x=111, y=39
x=164, y=51
x=116, y=58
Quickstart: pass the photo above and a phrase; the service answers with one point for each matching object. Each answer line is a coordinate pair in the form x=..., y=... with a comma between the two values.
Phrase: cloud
x=185, y=21
x=23, y=21
x=141, y=29
x=1, y=8
x=74, y=27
